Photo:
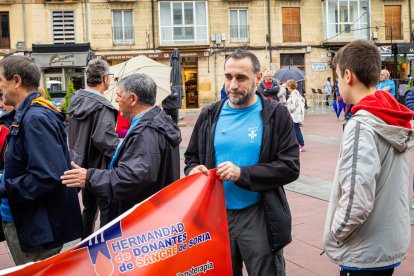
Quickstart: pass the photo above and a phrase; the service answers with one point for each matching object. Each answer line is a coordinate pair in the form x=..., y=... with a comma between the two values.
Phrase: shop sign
x=156, y=55
x=47, y=60
x=319, y=66
x=405, y=48
x=61, y=59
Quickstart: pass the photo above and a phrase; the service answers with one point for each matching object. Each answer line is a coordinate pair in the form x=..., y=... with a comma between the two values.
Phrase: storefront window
x=183, y=23
x=346, y=20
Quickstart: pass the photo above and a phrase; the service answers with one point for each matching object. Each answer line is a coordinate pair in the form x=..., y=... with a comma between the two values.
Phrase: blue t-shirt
x=5, y=207
x=238, y=139
x=386, y=83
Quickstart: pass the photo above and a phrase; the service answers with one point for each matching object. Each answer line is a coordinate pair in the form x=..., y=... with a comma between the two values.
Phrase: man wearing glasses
x=92, y=137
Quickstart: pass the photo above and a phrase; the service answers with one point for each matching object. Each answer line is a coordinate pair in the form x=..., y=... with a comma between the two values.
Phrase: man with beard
x=251, y=140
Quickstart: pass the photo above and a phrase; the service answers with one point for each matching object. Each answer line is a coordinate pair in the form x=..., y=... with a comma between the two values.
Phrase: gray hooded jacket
x=368, y=220
x=91, y=130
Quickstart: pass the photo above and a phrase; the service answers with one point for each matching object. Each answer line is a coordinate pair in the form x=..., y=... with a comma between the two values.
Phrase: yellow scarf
x=46, y=103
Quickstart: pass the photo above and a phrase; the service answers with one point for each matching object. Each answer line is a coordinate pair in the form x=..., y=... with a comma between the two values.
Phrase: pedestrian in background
x=148, y=158
x=328, y=90
x=269, y=87
x=41, y=214
x=385, y=84
x=367, y=228
x=250, y=139
x=92, y=137
x=296, y=107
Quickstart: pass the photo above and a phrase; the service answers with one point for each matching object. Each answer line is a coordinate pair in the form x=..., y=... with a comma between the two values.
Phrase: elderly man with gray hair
x=385, y=84
x=147, y=159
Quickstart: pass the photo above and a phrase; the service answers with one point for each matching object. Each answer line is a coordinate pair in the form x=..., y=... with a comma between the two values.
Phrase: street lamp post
x=395, y=53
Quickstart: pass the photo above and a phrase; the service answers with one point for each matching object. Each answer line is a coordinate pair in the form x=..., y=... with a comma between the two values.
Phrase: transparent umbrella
x=159, y=72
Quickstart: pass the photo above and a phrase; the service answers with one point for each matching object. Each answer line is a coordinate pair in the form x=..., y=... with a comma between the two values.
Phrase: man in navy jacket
x=45, y=214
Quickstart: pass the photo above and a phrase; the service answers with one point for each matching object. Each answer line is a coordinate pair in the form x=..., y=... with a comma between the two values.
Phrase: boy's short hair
x=362, y=58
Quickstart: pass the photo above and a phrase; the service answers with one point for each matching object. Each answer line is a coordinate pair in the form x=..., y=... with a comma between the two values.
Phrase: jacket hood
x=400, y=138
x=383, y=105
x=158, y=120
x=83, y=103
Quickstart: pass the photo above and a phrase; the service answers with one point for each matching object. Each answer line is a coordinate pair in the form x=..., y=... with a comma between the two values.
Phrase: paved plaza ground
x=307, y=197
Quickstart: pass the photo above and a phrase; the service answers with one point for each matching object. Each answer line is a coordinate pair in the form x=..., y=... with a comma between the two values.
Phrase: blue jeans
x=299, y=135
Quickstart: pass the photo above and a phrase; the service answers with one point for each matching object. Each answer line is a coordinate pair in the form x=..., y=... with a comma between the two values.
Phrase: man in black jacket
x=92, y=137
x=250, y=139
x=147, y=159
x=269, y=87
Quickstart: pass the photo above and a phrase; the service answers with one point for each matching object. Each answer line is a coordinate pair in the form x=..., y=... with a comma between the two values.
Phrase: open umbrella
x=289, y=73
x=159, y=72
x=176, y=78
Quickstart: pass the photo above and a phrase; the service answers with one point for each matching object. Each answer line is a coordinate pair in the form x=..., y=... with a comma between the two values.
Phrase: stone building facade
x=302, y=33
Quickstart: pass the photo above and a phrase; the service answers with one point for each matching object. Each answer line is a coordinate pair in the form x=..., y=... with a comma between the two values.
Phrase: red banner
x=180, y=231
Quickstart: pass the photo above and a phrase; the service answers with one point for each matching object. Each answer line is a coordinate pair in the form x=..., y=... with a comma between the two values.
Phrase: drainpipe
x=24, y=23
x=410, y=20
x=153, y=24
x=269, y=33
x=86, y=22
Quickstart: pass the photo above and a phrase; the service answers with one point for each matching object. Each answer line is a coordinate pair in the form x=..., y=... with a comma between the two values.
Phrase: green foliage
x=410, y=84
x=69, y=91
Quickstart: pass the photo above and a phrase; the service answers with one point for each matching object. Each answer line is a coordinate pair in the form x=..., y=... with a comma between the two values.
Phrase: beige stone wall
x=39, y=22
x=378, y=15
x=210, y=70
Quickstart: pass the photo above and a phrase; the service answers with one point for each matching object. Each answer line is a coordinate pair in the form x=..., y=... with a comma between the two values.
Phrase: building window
x=393, y=24
x=5, y=30
x=297, y=60
x=123, y=27
x=239, y=27
x=345, y=20
x=291, y=25
x=63, y=27
x=183, y=23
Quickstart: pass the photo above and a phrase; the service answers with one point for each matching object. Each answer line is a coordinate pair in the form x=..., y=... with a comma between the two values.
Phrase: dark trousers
x=299, y=135
x=387, y=272
x=19, y=256
x=90, y=211
x=173, y=113
x=249, y=244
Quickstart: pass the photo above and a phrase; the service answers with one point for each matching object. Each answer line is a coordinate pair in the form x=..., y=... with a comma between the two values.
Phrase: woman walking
x=296, y=107
x=328, y=90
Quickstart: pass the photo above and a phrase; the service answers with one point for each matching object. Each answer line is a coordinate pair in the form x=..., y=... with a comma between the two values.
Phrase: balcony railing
x=393, y=31
x=123, y=35
x=239, y=33
x=291, y=33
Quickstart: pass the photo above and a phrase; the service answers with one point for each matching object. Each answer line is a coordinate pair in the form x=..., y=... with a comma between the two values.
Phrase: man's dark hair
x=362, y=58
x=96, y=70
x=240, y=54
x=24, y=67
x=142, y=85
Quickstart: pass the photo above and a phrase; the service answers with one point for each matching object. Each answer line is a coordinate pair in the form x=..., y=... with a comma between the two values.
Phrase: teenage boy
x=367, y=228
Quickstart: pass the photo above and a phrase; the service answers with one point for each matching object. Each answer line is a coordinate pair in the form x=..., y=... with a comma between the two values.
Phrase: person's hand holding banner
x=181, y=230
